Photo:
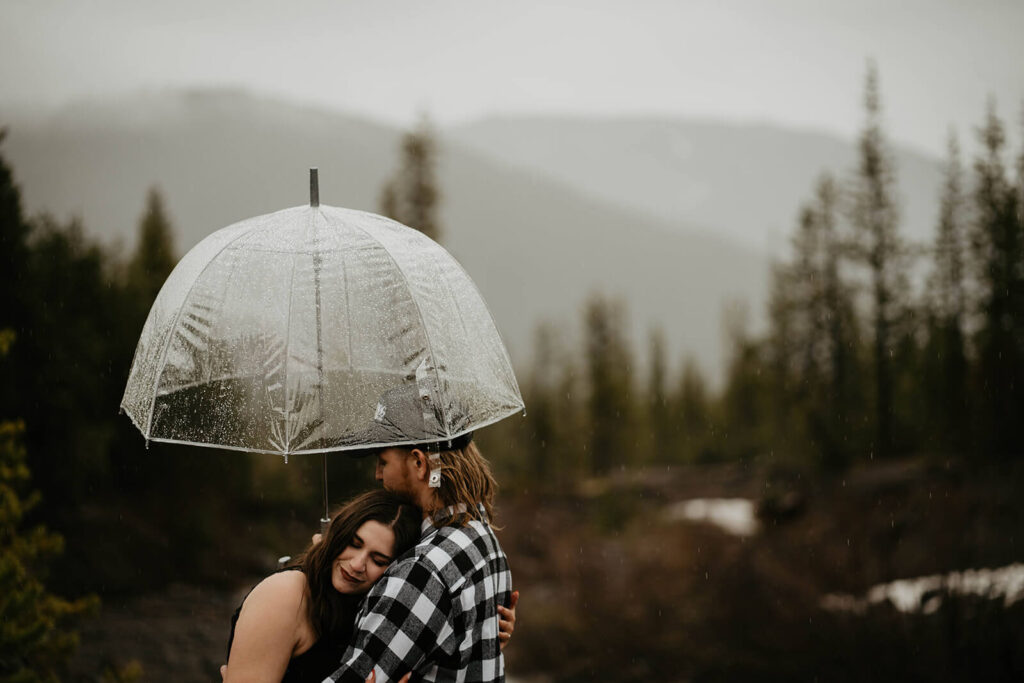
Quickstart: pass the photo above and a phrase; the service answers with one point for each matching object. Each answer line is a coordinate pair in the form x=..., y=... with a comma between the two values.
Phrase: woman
x=295, y=625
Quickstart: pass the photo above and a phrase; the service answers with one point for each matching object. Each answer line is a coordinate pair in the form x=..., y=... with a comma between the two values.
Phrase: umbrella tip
x=314, y=187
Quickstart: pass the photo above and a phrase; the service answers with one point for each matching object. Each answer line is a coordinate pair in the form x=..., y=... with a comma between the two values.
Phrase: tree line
x=129, y=516
x=874, y=348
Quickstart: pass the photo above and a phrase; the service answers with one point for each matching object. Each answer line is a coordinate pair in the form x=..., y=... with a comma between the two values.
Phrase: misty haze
x=755, y=271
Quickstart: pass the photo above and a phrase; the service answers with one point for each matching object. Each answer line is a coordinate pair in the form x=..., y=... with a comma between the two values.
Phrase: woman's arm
x=268, y=630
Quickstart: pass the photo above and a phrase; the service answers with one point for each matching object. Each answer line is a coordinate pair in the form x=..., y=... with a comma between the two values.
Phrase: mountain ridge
x=536, y=246
x=744, y=181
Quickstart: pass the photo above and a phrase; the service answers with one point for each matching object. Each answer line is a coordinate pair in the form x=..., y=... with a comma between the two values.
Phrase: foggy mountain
x=741, y=182
x=537, y=247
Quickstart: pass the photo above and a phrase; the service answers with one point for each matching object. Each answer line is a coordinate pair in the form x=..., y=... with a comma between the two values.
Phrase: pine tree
x=812, y=344
x=945, y=357
x=743, y=404
x=659, y=417
x=875, y=218
x=13, y=249
x=154, y=256
x=609, y=370
x=692, y=406
x=543, y=416
x=783, y=347
x=66, y=389
x=411, y=196
x=36, y=639
x=14, y=231
x=840, y=332
x=997, y=247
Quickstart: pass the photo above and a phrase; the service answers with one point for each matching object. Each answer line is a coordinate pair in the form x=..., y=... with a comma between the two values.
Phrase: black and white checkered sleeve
x=407, y=615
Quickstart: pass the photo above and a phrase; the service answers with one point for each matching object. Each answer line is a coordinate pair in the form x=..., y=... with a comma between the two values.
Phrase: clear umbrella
x=286, y=333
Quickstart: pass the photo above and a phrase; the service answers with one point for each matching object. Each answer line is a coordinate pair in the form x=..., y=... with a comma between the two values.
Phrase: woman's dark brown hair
x=331, y=613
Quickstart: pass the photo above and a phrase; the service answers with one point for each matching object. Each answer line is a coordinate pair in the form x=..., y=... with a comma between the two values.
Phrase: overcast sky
x=795, y=62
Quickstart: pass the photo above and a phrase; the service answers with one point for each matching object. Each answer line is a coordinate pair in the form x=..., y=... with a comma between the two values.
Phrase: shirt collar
x=444, y=514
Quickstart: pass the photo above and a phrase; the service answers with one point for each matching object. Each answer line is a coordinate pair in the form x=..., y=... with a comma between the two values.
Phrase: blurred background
x=759, y=266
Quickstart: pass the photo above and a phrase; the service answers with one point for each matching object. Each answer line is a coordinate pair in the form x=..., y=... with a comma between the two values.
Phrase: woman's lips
x=348, y=577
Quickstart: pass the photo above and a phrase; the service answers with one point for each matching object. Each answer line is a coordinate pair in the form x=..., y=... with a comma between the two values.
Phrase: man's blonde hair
x=466, y=479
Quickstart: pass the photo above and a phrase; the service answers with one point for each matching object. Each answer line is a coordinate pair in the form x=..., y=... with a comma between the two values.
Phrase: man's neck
x=428, y=502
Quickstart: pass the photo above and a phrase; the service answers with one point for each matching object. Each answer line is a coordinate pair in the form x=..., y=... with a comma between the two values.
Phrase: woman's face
x=364, y=560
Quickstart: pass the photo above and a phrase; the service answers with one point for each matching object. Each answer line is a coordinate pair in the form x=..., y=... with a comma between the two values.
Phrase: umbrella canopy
x=293, y=332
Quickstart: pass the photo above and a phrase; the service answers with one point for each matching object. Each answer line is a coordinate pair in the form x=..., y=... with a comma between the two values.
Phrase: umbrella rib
x=220, y=305
x=174, y=326
x=451, y=294
x=348, y=307
x=287, y=357
x=419, y=312
x=504, y=349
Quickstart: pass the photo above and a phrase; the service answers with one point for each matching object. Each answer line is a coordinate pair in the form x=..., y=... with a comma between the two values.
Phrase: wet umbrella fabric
x=283, y=334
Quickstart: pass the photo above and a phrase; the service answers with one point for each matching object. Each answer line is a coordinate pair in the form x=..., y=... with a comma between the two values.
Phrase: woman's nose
x=359, y=562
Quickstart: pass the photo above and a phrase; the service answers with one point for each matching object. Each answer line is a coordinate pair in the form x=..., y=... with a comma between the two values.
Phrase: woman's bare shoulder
x=280, y=590
x=271, y=628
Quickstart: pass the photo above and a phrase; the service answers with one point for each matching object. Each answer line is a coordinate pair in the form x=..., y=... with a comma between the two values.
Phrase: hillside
x=536, y=248
x=743, y=182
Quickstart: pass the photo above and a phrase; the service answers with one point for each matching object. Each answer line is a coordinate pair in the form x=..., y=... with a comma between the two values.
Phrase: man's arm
x=407, y=617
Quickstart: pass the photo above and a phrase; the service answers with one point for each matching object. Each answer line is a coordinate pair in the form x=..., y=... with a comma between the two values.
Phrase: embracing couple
x=409, y=580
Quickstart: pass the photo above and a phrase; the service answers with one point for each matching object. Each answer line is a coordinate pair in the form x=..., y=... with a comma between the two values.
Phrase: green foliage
x=411, y=196
x=609, y=363
x=552, y=425
x=878, y=247
x=154, y=256
x=663, y=446
x=13, y=257
x=691, y=411
x=813, y=342
x=13, y=233
x=36, y=640
x=744, y=402
x=853, y=365
x=997, y=249
x=944, y=378
x=80, y=310
x=65, y=358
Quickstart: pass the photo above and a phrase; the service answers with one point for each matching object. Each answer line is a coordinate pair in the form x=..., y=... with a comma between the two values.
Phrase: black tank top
x=319, y=661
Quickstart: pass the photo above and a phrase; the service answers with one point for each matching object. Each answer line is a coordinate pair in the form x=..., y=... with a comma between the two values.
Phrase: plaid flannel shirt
x=435, y=610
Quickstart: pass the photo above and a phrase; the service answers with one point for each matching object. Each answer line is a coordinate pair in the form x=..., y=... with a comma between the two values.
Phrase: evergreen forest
x=875, y=423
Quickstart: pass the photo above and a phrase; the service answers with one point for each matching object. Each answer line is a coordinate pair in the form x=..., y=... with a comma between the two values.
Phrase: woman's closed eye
x=378, y=559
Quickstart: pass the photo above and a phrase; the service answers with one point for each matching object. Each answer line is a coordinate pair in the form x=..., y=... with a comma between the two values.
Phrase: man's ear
x=420, y=464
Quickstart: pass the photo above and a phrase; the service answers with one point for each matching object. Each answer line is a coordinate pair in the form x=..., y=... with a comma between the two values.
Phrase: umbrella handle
x=324, y=523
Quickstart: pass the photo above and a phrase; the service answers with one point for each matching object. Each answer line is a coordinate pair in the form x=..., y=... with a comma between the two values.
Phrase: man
x=435, y=611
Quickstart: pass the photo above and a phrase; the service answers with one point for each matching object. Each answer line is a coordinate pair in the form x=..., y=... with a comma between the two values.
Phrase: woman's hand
x=507, y=620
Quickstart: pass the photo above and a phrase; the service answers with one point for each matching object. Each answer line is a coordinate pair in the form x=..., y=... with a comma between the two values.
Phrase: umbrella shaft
x=327, y=515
